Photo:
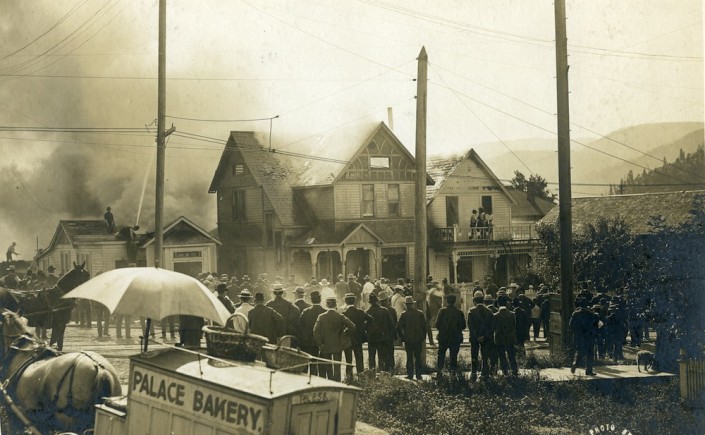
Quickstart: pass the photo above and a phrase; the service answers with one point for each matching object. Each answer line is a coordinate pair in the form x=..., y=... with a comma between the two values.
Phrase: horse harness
x=40, y=353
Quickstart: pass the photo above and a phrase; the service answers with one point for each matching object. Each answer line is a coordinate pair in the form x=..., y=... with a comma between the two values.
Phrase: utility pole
x=564, y=180
x=161, y=137
x=420, y=224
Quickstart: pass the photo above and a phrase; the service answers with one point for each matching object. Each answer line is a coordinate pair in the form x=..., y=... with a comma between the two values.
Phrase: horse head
x=12, y=328
x=74, y=277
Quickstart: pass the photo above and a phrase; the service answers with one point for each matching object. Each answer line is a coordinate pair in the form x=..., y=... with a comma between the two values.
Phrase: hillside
x=686, y=172
x=662, y=140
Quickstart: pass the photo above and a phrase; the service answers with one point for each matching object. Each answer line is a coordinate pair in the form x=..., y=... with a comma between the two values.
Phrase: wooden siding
x=479, y=268
x=254, y=205
x=401, y=165
x=438, y=263
x=229, y=180
x=347, y=201
x=408, y=196
x=321, y=202
x=381, y=209
x=469, y=183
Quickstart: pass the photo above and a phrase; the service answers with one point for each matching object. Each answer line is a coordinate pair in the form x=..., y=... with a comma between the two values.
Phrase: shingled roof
x=270, y=170
x=533, y=209
x=75, y=232
x=636, y=210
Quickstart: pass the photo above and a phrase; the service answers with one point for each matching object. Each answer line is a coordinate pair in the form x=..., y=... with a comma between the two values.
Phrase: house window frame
x=397, y=211
x=378, y=160
x=487, y=210
x=364, y=202
x=239, y=210
x=238, y=169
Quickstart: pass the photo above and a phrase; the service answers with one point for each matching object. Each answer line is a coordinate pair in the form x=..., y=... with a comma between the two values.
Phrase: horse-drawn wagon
x=172, y=391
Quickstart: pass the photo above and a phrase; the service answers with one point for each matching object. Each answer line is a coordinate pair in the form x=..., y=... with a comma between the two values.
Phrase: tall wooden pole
x=420, y=246
x=564, y=182
x=161, y=136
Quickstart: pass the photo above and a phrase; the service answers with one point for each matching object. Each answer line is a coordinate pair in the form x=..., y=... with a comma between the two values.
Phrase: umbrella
x=152, y=293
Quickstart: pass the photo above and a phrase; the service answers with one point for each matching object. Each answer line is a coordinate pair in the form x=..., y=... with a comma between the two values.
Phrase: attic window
x=379, y=162
x=238, y=169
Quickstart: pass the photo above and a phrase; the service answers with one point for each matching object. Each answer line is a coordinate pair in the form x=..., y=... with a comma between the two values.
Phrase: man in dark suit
x=412, y=331
x=360, y=319
x=265, y=321
x=356, y=289
x=286, y=309
x=307, y=320
x=450, y=323
x=584, y=324
x=222, y=290
x=331, y=337
x=387, y=349
x=505, y=337
x=480, y=324
x=379, y=331
x=300, y=302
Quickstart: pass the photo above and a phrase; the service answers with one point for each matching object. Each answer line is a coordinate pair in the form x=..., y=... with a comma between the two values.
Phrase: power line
x=222, y=120
x=74, y=129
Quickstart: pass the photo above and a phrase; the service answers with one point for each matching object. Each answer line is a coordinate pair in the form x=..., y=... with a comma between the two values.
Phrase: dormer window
x=379, y=162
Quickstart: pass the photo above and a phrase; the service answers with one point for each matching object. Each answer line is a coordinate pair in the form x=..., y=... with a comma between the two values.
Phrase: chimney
x=390, y=118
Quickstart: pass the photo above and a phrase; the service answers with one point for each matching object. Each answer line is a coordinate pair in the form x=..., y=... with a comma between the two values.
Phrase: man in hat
x=331, y=334
x=262, y=286
x=233, y=288
x=480, y=323
x=265, y=321
x=600, y=336
x=505, y=337
x=51, y=278
x=222, y=290
x=109, y=220
x=341, y=288
x=361, y=319
x=412, y=331
x=326, y=290
x=356, y=289
x=239, y=321
x=245, y=304
x=289, y=312
x=450, y=323
x=398, y=298
x=380, y=330
x=11, y=280
x=245, y=283
x=584, y=324
x=291, y=284
x=387, y=349
x=307, y=321
x=299, y=299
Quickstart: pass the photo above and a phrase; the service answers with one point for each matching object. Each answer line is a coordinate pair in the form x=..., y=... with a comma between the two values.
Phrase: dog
x=645, y=358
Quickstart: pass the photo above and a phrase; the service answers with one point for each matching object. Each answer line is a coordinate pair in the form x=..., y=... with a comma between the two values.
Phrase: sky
x=318, y=66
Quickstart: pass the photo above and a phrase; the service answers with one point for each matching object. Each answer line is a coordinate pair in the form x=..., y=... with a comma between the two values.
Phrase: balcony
x=513, y=233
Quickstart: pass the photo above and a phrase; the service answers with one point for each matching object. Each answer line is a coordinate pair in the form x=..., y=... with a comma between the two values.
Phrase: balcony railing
x=483, y=234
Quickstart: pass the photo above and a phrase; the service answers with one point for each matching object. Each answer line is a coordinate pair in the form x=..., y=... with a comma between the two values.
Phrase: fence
x=692, y=379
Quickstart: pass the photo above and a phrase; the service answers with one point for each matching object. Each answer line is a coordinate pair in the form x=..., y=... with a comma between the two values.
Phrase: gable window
x=487, y=204
x=238, y=169
x=368, y=200
x=393, y=200
x=379, y=162
x=239, y=212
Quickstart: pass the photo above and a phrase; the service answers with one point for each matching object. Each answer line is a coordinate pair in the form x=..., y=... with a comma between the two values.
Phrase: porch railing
x=494, y=233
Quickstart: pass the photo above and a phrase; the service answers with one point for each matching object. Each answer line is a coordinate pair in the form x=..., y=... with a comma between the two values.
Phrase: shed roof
x=636, y=209
x=172, y=235
x=525, y=208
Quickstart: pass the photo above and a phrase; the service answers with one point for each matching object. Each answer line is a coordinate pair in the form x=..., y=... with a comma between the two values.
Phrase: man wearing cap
x=356, y=289
x=265, y=321
x=584, y=324
x=505, y=337
x=412, y=331
x=397, y=300
x=331, y=334
x=51, y=278
x=307, y=321
x=11, y=280
x=450, y=323
x=222, y=290
x=361, y=319
x=289, y=312
x=380, y=331
x=480, y=323
x=299, y=299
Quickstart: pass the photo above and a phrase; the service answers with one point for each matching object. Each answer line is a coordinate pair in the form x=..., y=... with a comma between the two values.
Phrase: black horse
x=46, y=307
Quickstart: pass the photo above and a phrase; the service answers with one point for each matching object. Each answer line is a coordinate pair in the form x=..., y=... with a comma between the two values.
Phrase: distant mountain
x=591, y=165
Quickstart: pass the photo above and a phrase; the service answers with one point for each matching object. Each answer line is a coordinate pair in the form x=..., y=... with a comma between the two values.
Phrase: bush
x=521, y=405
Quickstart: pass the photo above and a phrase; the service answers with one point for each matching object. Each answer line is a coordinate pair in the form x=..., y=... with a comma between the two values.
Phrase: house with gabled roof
x=465, y=254
x=349, y=209
x=187, y=247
